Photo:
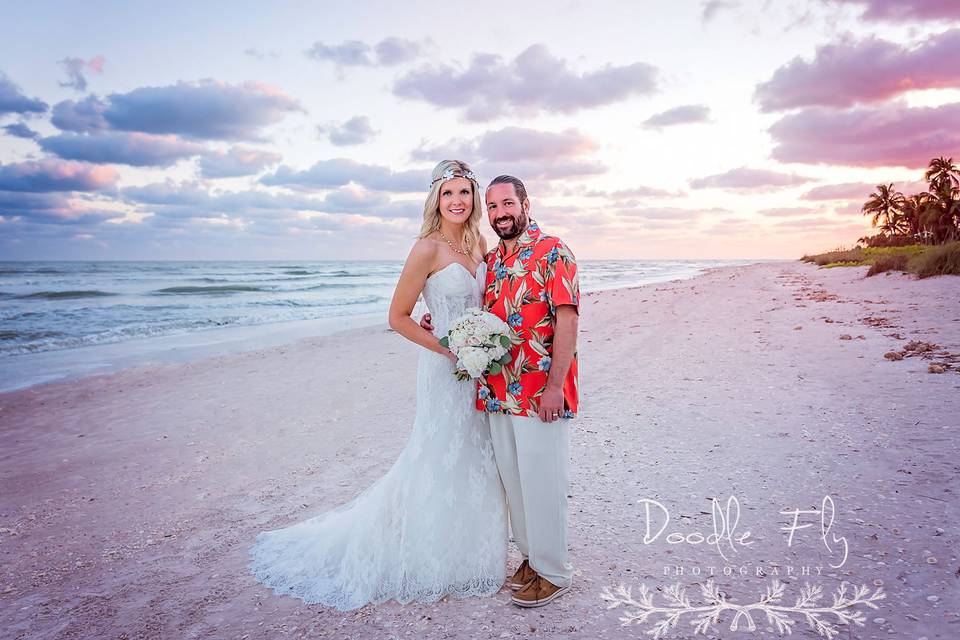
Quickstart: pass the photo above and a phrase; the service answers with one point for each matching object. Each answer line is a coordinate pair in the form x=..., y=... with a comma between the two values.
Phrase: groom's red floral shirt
x=524, y=288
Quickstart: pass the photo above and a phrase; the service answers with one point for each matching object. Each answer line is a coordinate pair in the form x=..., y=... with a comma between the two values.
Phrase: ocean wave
x=29, y=335
x=61, y=295
x=332, y=285
x=343, y=302
x=114, y=335
x=192, y=290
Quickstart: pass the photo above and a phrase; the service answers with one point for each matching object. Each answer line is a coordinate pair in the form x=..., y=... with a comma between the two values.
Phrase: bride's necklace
x=460, y=251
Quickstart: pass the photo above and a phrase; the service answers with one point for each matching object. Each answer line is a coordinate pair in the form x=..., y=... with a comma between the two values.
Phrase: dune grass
x=940, y=260
x=922, y=260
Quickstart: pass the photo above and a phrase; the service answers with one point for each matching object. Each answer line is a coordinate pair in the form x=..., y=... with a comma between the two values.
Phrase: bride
x=435, y=524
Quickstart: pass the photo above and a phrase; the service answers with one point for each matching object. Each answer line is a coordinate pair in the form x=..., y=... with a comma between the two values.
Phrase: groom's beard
x=511, y=232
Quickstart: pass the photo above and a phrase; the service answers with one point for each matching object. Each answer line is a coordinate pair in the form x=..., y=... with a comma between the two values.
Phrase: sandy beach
x=129, y=500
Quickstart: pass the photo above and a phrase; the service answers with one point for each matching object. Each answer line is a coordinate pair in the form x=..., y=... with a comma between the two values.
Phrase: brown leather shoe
x=539, y=592
x=522, y=577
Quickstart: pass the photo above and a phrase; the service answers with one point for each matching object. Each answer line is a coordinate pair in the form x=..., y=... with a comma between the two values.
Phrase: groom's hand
x=425, y=322
x=551, y=404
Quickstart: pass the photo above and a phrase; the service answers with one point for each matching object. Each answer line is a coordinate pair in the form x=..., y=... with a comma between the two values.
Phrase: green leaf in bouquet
x=504, y=341
x=445, y=341
x=505, y=359
x=495, y=368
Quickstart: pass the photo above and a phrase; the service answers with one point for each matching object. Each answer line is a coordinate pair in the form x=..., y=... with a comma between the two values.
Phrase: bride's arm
x=413, y=277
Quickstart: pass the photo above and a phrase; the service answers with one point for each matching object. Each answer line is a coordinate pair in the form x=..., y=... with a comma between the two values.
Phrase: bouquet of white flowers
x=481, y=342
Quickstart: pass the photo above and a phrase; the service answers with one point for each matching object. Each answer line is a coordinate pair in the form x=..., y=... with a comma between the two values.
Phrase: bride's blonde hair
x=431, y=208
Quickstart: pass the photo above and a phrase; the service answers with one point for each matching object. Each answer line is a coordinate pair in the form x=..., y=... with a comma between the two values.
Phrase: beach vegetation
x=917, y=233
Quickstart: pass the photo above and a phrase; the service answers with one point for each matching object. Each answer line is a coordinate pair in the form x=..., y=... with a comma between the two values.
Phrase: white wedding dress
x=435, y=524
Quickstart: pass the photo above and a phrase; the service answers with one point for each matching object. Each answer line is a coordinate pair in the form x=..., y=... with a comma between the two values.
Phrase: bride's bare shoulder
x=422, y=255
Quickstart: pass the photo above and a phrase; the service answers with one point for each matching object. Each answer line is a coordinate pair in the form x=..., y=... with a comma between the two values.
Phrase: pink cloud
x=534, y=81
x=888, y=135
x=746, y=179
x=859, y=190
x=872, y=70
x=96, y=64
x=843, y=191
x=639, y=191
x=669, y=214
x=51, y=175
x=516, y=143
x=896, y=10
x=122, y=147
x=787, y=212
x=800, y=223
x=236, y=161
x=529, y=153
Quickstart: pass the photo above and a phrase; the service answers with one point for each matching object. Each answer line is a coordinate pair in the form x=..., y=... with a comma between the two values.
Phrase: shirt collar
x=529, y=236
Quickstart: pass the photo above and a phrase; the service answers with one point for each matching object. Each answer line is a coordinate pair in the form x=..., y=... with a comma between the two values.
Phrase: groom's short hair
x=518, y=187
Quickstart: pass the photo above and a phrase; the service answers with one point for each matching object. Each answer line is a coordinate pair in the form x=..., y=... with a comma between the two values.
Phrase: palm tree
x=941, y=214
x=885, y=204
x=913, y=207
x=942, y=172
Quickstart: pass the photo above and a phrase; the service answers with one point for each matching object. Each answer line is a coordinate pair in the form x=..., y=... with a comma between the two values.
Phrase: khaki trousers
x=532, y=457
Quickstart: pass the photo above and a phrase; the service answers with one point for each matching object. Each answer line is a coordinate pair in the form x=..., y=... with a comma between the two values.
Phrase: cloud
x=526, y=153
x=746, y=179
x=51, y=208
x=13, y=100
x=121, y=147
x=676, y=214
x=56, y=175
x=729, y=226
x=236, y=161
x=253, y=52
x=206, y=109
x=189, y=200
x=884, y=136
x=329, y=174
x=843, y=191
x=20, y=130
x=800, y=223
x=75, y=67
x=711, y=8
x=871, y=70
x=634, y=192
x=898, y=10
x=685, y=114
x=356, y=53
x=530, y=170
x=516, y=143
x=787, y=212
x=352, y=198
x=356, y=130
x=394, y=51
x=85, y=116
x=533, y=82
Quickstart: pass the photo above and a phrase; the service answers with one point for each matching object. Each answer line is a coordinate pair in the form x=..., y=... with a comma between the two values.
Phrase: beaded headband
x=450, y=173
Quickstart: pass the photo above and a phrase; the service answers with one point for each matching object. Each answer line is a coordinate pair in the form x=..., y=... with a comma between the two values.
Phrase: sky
x=307, y=130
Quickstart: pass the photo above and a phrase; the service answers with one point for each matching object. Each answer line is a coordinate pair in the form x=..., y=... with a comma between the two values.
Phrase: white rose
x=473, y=360
x=457, y=338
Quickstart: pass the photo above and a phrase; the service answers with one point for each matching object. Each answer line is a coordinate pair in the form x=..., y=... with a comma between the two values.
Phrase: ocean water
x=61, y=319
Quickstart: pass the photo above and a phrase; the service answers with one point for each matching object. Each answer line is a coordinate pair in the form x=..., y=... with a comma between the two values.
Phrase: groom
x=532, y=284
